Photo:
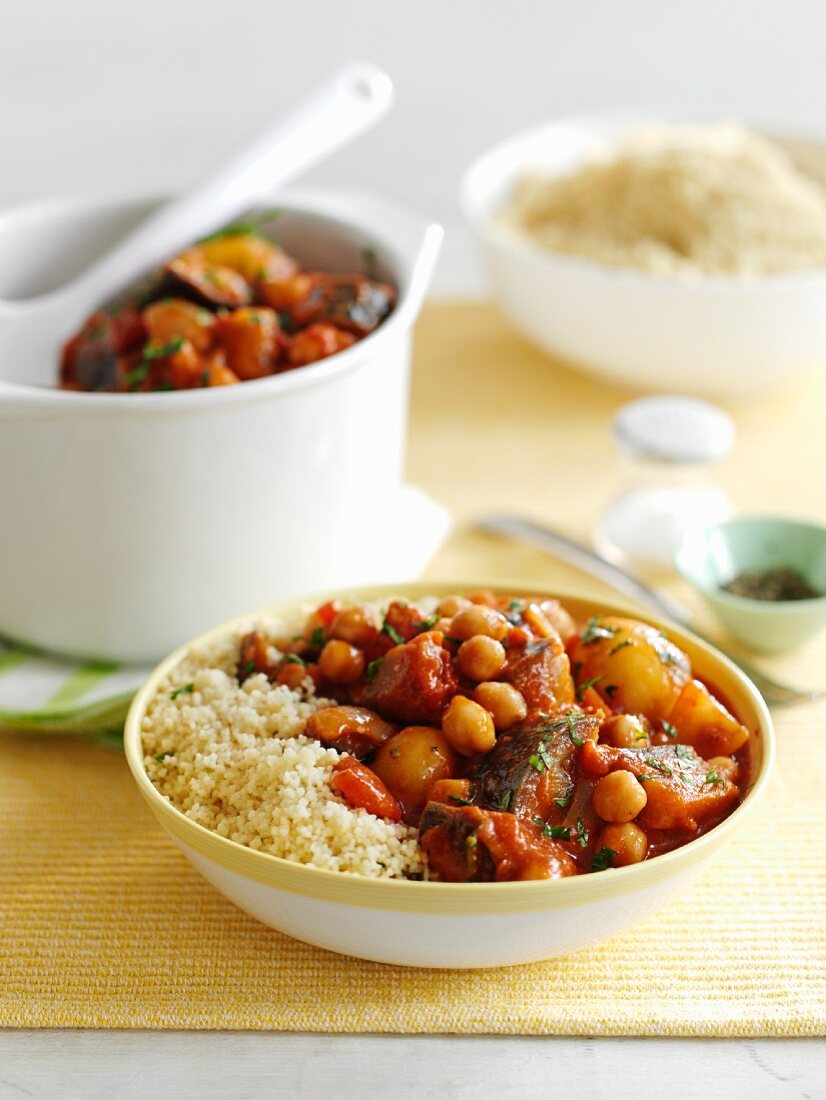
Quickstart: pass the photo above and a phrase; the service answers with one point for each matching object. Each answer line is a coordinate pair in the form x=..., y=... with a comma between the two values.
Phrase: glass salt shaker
x=667, y=447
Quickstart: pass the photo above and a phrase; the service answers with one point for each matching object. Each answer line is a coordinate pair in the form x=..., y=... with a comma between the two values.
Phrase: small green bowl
x=711, y=556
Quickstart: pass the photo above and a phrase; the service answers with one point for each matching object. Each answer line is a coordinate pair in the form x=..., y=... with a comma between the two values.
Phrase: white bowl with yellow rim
x=439, y=924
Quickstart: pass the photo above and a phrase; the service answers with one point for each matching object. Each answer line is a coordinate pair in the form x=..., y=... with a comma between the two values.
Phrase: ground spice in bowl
x=773, y=585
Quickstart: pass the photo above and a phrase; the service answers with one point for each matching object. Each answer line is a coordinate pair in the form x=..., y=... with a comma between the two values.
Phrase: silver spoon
x=775, y=693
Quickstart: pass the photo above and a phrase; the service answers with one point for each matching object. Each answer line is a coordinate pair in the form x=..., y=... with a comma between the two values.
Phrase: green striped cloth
x=44, y=694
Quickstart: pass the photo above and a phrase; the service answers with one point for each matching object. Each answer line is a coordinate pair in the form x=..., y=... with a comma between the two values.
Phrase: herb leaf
x=671, y=731
x=163, y=756
x=594, y=631
x=294, y=659
x=186, y=689
x=162, y=351
x=585, y=685
x=372, y=670
x=392, y=633
x=603, y=859
x=572, y=730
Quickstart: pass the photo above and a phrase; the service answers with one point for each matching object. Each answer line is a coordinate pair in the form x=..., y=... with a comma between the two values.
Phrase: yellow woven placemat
x=104, y=924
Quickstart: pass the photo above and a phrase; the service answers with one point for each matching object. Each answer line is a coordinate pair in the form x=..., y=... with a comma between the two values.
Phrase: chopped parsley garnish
x=459, y=801
x=187, y=689
x=163, y=756
x=504, y=800
x=603, y=859
x=683, y=751
x=554, y=832
x=134, y=377
x=620, y=645
x=372, y=669
x=162, y=351
x=594, y=632
x=392, y=633
x=240, y=229
x=249, y=666
x=643, y=778
x=294, y=659
x=671, y=731
x=582, y=835
x=565, y=800
x=540, y=760
x=426, y=624
x=317, y=638
x=572, y=730
x=658, y=764
x=585, y=685
x=714, y=777
x=514, y=605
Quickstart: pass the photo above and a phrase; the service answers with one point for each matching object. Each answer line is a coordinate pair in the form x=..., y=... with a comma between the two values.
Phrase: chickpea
x=468, y=726
x=479, y=619
x=341, y=662
x=452, y=605
x=505, y=703
x=411, y=762
x=618, y=797
x=483, y=596
x=480, y=657
x=628, y=842
x=356, y=625
x=624, y=731
x=725, y=767
x=293, y=675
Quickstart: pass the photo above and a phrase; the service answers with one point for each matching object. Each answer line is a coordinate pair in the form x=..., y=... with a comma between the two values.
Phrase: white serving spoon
x=32, y=331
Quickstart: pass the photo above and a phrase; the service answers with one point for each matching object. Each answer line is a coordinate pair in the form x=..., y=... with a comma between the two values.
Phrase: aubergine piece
x=529, y=771
x=353, y=730
x=352, y=302
x=468, y=844
x=90, y=360
x=191, y=277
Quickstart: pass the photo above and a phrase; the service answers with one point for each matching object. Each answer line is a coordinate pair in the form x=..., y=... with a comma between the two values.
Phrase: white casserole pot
x=132, y=521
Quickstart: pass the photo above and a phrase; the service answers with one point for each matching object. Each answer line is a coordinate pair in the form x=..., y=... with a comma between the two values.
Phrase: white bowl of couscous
x=700, y=270
x=228, y=773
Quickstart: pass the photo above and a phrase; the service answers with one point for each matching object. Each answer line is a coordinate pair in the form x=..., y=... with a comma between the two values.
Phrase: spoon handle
x=775, y=693
x=350, y=102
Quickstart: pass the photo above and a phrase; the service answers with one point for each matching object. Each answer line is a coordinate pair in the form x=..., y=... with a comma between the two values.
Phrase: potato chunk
x=703, y=722
x=632, y=665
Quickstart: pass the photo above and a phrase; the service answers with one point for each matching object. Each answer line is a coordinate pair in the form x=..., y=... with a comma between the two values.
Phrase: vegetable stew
x=233, y=308
x=520, y=743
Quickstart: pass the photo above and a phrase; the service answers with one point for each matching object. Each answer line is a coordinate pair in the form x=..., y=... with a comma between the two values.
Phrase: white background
x=104, y=95
x=100, y=95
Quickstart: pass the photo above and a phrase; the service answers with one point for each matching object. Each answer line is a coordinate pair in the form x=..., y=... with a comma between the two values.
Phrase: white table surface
x=123, y=1065
x=129, y=98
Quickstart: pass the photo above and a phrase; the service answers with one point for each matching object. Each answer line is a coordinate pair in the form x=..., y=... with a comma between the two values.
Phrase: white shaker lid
x=674, y=430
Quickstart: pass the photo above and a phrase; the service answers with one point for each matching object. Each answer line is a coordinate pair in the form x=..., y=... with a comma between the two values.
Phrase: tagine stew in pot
x=233, y=308
x=521, y=744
